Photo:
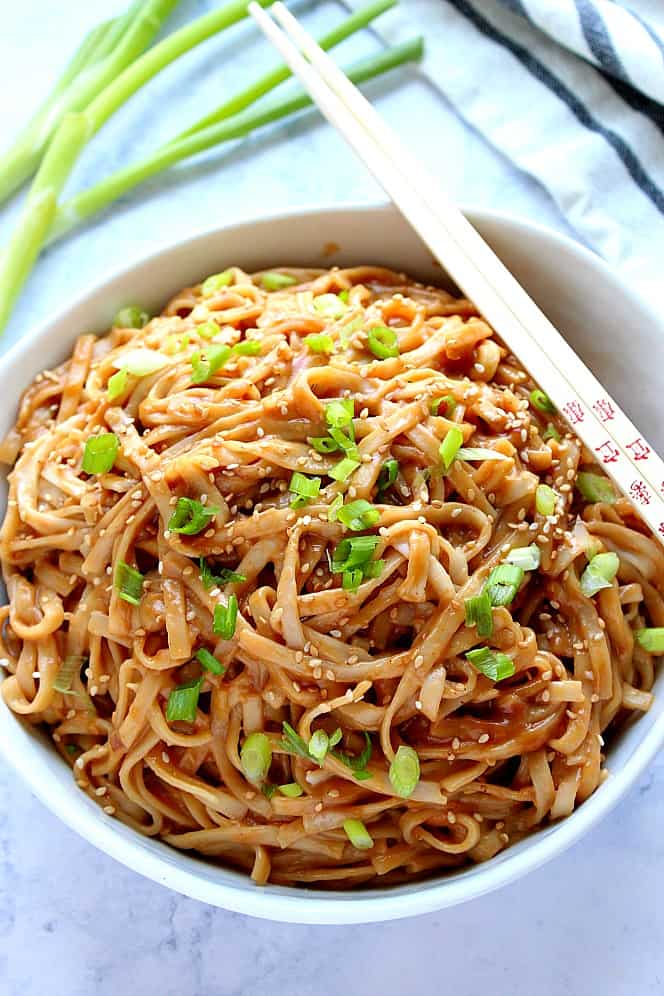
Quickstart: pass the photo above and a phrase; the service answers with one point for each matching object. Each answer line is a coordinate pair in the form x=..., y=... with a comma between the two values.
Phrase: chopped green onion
x=345, y=442
x=503, y=583
x=183, y=702
x=141, y=362
x=207, y=330
x=225, y=576
x=357, y=763
x=333, y=509
x=478, y=613
x=291, y=790
x=599, y=573
x=323, y=444
x=450, y=446
x=304, y=488
x=473, y=453
x=117, y=384
x=542, y=402
x=494, y=665
x=342, y=470
x=596, y=488
x=339, y=412
x=551, y=433
x=293, y=743
x=68, y=670
x=100, y=453
x=355, y=552
x=319, y=343
x=526, y=557
x=330, y=305
x=449, y=403
x=215, y=282
x=358, y=835
x=225, y=618
x=72, y=749
x=388, y=474
x=545, y=499
x=343, y=296
x=277, y=281
x=358, y=515
x=351, y=580
x=373, y=569
x=268, y=789
x=256, y=756
x=128, y=583
x=209, y=662
x=405, y=771
x=319, y=744
x=248, y=347
x=652, y=639
x=383, y=342
x=131, y=318
x=205, y=363
x=346, y=331
x=191, y=516
x=336, y=737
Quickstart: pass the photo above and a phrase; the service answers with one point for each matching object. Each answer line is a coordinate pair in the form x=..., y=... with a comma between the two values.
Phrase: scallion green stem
x=100, y=58
x=91, y=201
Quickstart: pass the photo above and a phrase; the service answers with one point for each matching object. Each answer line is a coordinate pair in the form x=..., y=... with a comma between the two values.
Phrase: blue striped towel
x=572, y=91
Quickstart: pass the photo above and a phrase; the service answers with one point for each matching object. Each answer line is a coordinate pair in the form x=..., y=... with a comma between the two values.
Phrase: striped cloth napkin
x=572, y=91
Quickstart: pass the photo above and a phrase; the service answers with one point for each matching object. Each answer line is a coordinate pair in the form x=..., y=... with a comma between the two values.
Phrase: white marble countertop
x=73, y=921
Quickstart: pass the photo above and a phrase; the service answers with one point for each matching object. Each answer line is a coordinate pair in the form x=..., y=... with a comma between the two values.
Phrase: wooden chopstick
x=591, y=413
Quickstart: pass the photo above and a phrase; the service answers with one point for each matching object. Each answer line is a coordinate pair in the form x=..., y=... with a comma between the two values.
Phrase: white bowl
x=607, y=324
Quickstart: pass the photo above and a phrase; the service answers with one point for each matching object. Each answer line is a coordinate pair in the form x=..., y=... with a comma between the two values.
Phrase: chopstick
x=591, y=413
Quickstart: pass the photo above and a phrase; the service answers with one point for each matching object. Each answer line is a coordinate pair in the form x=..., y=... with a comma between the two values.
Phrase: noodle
x=376, y=652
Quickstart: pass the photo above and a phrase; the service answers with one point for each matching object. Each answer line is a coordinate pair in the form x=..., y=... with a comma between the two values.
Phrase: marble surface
x=72, y=921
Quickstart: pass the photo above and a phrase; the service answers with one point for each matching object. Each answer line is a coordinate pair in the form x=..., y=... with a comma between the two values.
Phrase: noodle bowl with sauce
x=306, y=575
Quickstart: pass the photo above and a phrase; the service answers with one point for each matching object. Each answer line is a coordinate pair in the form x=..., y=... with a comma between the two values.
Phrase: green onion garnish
x=117, y=384
x=333, y=508
x=599, y=573
x=342, y=470
x=256, y=756
x=651, y=639
x=320, y=744
x=339, y=412
x=357, y=763
x=291, y=790
x=319, y=343
x=128, y=583
x=141, y=362
x=330, y=305
x=207, y=330
x=190, y=516
x=373, y=569
x=542, y=402
x=68, y=670
x=358, y=515
x=293, y=743
x=209, y=662
x=355, y=552
x=323, y=444
x=551, y=433
x=503, y=583
x=100, y=453
x=383, y=342
x=225, y=618
x=477, y=453
x=388, y=474
x=225, y=575
x=351, y=580
x=277, y=281
x=405, y=771
x=545, y=499
x=268, y=789
x=526, y=557
x=358, y=835
x=131, y=318
x=492, y=664
x=215, y=282
x=345, y=442
x=450, y=446
x=248, y=347
x=448, y=402
x=206, y=362
x=183, y=702
x=304, y=488
x=478, y=613
x=595, y=488
x=343, y=296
